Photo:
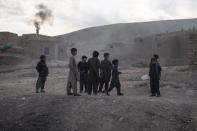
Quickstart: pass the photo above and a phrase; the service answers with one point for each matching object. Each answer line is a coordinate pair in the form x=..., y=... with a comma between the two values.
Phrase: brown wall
x=51, y=48
x=172, y=48
x=6, y=37
x=192, y=52
x=35, y=48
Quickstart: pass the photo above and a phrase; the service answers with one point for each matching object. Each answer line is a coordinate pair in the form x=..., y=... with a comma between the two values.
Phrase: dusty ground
x=23, y=110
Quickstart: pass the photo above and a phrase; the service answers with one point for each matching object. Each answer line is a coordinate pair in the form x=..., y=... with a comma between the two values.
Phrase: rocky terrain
x=21, y=109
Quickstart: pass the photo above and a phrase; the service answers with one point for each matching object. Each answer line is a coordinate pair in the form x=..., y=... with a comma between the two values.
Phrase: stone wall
x=193, y=50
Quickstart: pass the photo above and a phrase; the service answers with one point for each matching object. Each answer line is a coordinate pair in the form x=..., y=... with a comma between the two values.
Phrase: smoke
x=44, y=15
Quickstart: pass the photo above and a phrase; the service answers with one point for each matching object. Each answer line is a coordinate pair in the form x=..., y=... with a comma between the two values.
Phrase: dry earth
x=23, y=110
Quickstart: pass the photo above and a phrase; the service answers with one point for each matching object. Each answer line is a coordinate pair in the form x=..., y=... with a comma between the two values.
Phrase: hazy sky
x=71, y=15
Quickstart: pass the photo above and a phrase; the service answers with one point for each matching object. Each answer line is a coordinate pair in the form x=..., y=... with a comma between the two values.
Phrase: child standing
x=105, y=75
x=93, y=74
x=83, y=69
x=115, y=82
x=158, y=64
x=73, y=74
x=43, y=71
x=154, y=73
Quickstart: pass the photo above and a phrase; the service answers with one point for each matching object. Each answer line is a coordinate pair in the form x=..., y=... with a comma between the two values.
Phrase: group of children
x=93, y=75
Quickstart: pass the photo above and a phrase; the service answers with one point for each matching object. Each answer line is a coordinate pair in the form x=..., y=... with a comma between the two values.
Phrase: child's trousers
x=115, y=84
x=40, y=82
x=155, y=87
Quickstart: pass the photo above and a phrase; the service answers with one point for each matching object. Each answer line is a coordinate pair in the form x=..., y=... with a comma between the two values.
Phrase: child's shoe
x=158, y=95
x=42, y=91
x=120, y=94
x=37, y=91
x=152, y=95
x=69, y=94
x=77, y=95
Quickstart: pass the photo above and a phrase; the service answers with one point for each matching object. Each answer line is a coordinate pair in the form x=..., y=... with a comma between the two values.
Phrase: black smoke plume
x=44, y=15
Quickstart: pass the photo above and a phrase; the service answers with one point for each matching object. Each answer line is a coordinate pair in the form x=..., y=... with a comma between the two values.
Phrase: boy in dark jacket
x=154, y=73
x=105, y=73
x=158, y=64
x=43, y=71
x=83, y=69
x=93, y=74
x=115, y=81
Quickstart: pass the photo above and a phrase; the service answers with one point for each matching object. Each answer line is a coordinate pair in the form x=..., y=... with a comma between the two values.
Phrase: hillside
x=126, y=32
x=119, y=39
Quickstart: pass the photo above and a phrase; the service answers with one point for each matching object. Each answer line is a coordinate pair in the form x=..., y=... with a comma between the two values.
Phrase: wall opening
x=46, y=51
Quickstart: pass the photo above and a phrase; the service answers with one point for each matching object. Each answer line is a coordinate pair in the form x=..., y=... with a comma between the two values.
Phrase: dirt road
x=21, y=109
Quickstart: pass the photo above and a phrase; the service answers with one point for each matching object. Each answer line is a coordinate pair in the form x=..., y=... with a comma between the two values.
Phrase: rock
x=166, y=108
x=23, y=98
x=121, y=119
x=20, y=105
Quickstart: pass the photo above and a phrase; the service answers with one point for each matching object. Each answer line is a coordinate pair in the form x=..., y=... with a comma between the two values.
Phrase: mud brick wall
x=7, y=37
x=193, y=50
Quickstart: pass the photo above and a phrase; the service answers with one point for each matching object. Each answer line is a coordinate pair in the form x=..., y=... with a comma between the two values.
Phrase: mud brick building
x=32, y=46
x=8, y=37
x=37, y=45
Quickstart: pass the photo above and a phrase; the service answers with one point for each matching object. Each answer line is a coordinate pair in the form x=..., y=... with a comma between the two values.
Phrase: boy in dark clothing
x=105, y=73
x=154, y=73
x=43, y=71
x=115, y=82
x=157, y=64
x=83, y=69
x=93, y=74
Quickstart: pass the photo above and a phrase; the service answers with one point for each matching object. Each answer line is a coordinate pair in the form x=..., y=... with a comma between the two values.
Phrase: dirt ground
x=21, y=109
